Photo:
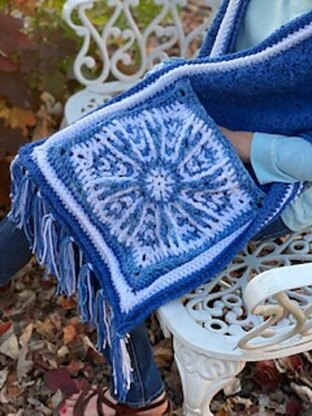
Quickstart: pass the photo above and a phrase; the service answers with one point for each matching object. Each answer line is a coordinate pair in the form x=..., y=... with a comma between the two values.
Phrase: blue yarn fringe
x=67, y=264
x=122, y=371
x=57, y=250
x=50, y=240
x=101, y=321
x=86, y=293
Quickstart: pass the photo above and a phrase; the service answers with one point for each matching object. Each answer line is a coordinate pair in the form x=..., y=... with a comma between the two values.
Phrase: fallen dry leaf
x=95, y=356
x=267, y=376
x=27, y=6
x=242, y=402
x=10, y=347
x=57, y=399
x=63, y=351
x=3, y=397
x=60, y=379
x=46, y=328
x=56, y=319
x=4, y=109
x=23, y=365
x=12, y=388
x=74, y=367
x=163, y=353
x=3, y=376
x=293, y=408
x=91, y=351
x=21, y=118
x=4, y=327
x=304, y=392
x=67, y=303
x=69, y=334
x=293, y=363
x=26, y=335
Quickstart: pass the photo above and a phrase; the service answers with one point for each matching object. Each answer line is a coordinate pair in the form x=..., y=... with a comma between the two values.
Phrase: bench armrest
x=275, y=283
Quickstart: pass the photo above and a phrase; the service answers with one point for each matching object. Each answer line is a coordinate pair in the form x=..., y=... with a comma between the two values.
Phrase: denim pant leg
x=147, y=384
x=277, y=228
x=14, y=250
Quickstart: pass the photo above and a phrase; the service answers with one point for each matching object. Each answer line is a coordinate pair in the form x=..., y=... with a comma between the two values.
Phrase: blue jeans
x=147, y=383
x=276, y=229
x=14, y=251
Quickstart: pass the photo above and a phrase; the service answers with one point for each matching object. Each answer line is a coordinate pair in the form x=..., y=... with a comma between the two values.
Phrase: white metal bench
x=255, y=309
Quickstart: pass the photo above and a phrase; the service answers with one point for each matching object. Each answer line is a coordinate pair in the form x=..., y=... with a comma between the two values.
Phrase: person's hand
x=241, y=140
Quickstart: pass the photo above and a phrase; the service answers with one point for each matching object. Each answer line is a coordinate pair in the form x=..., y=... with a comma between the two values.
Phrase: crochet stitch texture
x=144, y=198
x=161, y=185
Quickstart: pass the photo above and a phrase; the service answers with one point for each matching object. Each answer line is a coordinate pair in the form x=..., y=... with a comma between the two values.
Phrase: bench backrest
x=122, y=39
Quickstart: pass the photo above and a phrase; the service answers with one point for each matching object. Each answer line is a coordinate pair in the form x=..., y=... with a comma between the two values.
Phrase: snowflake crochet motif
x=160, y=185
x=160, y=181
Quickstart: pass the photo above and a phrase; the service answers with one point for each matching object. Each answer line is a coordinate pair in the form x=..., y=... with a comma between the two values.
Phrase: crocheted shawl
x=144, y=199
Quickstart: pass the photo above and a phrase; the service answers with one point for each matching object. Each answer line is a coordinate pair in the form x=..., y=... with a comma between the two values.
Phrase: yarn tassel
x=50, y=245
x=119, y=355
x=121, y=363
x=86, y=293
x=68, y=270
x=102, y=321
x=22, y=194
x=21, y=202
x=17, y=174
x=38, y=213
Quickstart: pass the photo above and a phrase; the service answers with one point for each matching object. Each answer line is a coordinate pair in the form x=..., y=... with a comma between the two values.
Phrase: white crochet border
x=225, y=27
x=126, y=297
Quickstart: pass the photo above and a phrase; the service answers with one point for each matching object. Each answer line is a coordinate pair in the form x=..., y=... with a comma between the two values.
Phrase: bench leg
x=202, y=377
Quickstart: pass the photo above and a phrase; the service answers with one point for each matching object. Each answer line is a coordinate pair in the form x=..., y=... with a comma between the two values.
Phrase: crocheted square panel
x=152, y=189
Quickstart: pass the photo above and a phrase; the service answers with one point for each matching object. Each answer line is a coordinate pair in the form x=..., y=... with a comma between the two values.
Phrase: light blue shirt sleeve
x=298, y=215
x=277, y=158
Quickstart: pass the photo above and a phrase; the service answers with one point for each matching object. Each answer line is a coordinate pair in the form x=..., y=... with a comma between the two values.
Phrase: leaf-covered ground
x=45, y=351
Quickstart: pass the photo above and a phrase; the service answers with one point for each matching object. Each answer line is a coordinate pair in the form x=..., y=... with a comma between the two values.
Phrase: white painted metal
x=257, y=308
x=202, y=376
x=150, y=43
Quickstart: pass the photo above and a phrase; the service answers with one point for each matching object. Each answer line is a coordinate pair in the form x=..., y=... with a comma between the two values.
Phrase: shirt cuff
x=263, y=158
x=298, y=214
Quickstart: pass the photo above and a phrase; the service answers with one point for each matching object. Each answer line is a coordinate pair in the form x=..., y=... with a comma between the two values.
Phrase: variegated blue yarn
x=144, y=199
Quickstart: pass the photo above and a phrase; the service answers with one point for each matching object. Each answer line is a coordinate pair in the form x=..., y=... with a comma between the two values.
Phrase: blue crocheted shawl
x=144, y=199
